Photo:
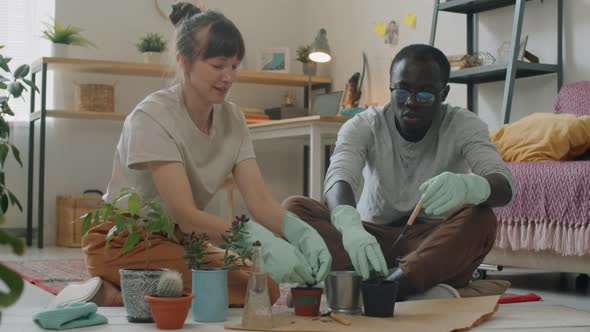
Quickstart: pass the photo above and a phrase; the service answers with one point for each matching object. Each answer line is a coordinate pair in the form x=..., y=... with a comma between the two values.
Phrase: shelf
x=300, y=120
x=118, y=116
x=495, y=73
x=164, y=71
x=473, y=6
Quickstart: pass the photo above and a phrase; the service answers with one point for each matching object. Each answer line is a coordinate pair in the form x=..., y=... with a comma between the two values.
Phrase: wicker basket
x=69, y=209
x=95, y=98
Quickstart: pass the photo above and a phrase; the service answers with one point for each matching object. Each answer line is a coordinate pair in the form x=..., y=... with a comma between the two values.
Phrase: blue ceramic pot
x=211, y=298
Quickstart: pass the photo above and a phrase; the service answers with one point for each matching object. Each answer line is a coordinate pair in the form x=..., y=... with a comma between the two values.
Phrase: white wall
x=79, y=153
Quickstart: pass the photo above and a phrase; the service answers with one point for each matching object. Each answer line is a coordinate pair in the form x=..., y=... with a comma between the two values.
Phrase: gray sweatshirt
x=370, y=147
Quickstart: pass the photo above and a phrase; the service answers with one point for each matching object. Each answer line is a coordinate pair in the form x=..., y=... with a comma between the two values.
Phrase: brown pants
x=164, y=253
x=429, y=254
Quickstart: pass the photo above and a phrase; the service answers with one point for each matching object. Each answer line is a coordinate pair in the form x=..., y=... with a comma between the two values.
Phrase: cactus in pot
x=170, y=305
x=170, y=284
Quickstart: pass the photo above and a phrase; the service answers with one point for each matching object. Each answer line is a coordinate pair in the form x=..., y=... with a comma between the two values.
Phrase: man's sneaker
x=440, y=291
x=77, y=292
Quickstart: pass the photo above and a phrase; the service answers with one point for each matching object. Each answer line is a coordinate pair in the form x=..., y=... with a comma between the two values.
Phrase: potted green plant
x=170, y=304
x=309, y=67
x=136, y=219
x=62, y=36
x=12, y=85
x=306, y=300
x=151, y=46
x=209, y=285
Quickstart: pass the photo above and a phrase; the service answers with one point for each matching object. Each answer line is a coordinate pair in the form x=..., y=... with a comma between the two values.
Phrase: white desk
x=318, y=129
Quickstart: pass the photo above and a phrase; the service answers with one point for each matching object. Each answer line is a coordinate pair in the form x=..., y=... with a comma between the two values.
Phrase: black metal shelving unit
x=508, y=72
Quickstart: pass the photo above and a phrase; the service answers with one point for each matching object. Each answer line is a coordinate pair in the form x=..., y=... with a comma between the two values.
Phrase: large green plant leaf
x=31, y=84
x=86, y=219
x=4, y=63
x=15, y=285
x=4, y=203
x=21, y=72
x=16, y=89
x=132, y=241
x=134, y=203
x=16, y=155
x=4, y=128
x=14, y=200
x=3, y=150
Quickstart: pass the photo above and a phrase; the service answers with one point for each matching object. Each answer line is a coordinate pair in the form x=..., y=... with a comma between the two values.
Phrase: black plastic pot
x=379, y=297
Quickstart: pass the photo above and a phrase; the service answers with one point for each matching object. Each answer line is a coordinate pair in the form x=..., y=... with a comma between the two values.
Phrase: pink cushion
x=574, y=98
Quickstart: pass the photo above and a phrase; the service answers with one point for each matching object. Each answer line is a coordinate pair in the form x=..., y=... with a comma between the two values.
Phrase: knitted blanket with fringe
x=550, y=210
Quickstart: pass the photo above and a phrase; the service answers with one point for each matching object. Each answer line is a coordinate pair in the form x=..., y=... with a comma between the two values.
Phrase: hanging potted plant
x=62, y=36
x=137, y=220
x=151, y=46
x=209, y=285
x=379, y=296
x=170, y=304
x=309, y=67
x=12, y=85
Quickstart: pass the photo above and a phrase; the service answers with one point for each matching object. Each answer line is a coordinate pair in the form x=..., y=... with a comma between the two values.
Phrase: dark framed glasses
x=423, y=98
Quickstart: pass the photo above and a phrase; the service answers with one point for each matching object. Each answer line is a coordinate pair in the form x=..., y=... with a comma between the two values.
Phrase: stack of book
x=254, y=115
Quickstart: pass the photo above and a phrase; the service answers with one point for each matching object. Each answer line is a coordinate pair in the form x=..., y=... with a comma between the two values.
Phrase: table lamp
x=320, y=53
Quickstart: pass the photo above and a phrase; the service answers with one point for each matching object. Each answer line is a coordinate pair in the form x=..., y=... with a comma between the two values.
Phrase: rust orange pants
x=164, y=253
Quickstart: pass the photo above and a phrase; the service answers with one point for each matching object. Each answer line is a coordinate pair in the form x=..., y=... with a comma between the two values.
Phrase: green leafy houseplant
x=194, y=250
x=137, y=218
x=152, y=42
x=232, y=240
x=303, y=53
x=196, y=244
x=68, y=35
x=12, y=85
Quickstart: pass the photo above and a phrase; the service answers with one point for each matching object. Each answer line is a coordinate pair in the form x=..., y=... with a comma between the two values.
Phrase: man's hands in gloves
x=362, y=247
x=447, y=191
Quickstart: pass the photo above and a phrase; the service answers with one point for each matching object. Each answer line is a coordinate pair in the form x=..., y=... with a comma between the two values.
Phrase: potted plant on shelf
x=170, y=304
x=379, y=296
x=151, y=46
x=309, y=67
x=12, y=85
x=62, y=36
x=209, y=285
x=136, y=219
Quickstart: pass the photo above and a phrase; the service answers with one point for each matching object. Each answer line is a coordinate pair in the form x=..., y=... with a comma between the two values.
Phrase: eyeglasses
x=423, y=98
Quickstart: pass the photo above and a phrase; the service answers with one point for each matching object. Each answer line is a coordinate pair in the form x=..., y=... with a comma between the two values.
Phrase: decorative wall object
x=274, y=59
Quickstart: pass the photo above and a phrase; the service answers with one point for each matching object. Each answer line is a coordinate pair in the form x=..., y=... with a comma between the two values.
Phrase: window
x=20, y=28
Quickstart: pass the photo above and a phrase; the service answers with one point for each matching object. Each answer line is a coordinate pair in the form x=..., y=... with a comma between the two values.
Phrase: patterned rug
x=50, y=275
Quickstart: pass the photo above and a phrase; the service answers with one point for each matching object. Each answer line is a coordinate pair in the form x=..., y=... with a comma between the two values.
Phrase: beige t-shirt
x=161, y=129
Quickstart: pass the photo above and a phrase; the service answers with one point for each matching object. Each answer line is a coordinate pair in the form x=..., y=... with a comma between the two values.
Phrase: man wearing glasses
x=415, y=147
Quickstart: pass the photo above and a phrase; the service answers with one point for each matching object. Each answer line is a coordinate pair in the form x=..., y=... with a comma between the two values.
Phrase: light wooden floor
x=564, y=308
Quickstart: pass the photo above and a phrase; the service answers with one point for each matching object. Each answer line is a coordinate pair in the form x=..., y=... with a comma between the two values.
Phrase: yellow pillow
x=544, y=136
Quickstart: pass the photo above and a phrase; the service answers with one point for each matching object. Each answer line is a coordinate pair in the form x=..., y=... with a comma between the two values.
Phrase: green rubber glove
x=362, y=247
x=280, y=259
x=447, y=191
x=310, y=243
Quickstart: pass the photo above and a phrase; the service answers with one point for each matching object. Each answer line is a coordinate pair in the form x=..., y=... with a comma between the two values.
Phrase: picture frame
x=504, y=50
x=275, y=59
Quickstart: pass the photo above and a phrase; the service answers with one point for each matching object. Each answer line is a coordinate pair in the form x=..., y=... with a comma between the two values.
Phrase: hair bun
x=182, y=10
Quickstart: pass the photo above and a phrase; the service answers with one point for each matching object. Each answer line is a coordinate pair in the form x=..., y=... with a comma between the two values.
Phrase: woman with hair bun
x=179, y=145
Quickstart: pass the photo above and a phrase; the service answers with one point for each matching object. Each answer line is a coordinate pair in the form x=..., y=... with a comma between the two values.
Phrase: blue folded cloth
x=74, y=315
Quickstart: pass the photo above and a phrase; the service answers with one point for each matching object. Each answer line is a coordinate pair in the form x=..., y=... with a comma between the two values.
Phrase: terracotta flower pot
x=306, y=300
x=169, y=312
